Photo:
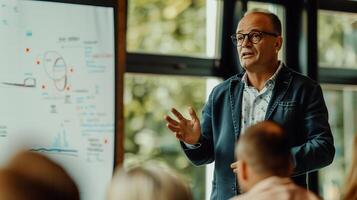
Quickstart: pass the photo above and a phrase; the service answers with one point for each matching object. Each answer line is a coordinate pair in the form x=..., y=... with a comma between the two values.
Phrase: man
x=264, y=165
x=267, y=90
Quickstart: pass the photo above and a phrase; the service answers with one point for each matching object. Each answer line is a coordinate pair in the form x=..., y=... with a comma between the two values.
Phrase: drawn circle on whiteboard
x=56, y=69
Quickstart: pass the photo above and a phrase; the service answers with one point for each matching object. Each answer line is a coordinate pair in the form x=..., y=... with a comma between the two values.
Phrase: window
x=168, y=37
x=147, y=99
x=341, y=102
x=172, y=27
x=337, y=39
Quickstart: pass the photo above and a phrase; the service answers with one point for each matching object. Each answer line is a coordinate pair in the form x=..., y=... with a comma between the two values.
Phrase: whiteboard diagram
x=57, y=80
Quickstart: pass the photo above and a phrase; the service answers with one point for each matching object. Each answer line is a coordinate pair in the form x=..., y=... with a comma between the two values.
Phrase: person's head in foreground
x=32, y=176
x=263, y=152
x=264, y=164
x=149, y=183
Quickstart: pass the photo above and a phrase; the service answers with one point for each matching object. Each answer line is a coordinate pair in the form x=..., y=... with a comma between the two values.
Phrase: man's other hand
x=186, y=130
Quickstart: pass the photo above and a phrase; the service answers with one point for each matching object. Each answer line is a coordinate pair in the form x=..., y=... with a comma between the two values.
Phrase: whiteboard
x=57, y=86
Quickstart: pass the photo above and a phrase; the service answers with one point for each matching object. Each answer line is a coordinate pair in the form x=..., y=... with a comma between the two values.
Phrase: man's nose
x=246, y=41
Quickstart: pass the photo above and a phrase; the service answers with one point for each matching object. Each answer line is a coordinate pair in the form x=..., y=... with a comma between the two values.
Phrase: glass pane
x=167, y=27
x=337, y=39
x=341, y=102
x=147, y=99
x=276, y=9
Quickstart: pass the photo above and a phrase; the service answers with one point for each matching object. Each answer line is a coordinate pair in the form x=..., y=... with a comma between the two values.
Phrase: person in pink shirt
x=264, y=165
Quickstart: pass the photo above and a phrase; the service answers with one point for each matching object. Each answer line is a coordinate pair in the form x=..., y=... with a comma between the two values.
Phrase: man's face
x=253, y=57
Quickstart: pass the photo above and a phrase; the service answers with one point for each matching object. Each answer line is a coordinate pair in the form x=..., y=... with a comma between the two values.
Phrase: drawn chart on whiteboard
x=57, y=82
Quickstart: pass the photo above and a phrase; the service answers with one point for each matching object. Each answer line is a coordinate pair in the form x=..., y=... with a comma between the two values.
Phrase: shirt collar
x=270, y=81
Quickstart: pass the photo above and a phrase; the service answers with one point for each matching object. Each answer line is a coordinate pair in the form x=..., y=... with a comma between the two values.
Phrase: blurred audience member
x=150, y=182
x=32, y=176
x=351, y=183
x=264, y=165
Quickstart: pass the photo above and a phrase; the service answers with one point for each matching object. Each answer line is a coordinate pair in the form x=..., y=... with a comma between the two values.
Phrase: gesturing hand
x=184, y=129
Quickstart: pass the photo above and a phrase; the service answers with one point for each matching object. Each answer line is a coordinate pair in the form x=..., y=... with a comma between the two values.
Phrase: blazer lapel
x=235, y=99
x=282, y=84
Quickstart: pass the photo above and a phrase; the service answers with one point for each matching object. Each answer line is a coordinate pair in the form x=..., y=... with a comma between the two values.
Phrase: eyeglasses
x=253, y=36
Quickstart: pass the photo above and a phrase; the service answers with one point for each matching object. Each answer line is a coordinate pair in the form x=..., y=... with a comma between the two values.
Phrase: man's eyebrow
x=254, y=29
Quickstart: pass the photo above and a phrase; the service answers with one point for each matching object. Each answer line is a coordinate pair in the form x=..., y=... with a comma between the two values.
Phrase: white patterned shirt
x=254, y=102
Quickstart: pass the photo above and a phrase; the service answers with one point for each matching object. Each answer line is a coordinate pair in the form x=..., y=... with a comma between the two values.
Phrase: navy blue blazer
x=297, y=104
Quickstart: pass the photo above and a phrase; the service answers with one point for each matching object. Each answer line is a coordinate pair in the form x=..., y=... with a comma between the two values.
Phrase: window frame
x=332, y=75
x=169, y=64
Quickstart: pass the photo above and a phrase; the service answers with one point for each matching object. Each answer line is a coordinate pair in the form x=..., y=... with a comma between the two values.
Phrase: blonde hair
x=149, y=183
x=351, y=183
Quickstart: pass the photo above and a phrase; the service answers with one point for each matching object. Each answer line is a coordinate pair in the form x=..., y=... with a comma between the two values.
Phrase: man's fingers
x=177, y=114
x=234, y=165
x=173, y=128
x=170, y=120
x=178, y=135
x=192, y=113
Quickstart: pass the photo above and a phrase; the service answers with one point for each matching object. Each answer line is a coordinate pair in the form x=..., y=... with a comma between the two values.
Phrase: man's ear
x=278, y=43
x=243, y=170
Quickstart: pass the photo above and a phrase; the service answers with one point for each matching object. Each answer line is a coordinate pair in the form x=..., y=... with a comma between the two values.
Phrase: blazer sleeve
x=319, y=149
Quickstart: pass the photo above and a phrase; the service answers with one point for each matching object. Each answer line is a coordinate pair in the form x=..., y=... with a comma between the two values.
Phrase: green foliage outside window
x=167, y=27
x=337, y=39
x=146, y=100
x=341, y=102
